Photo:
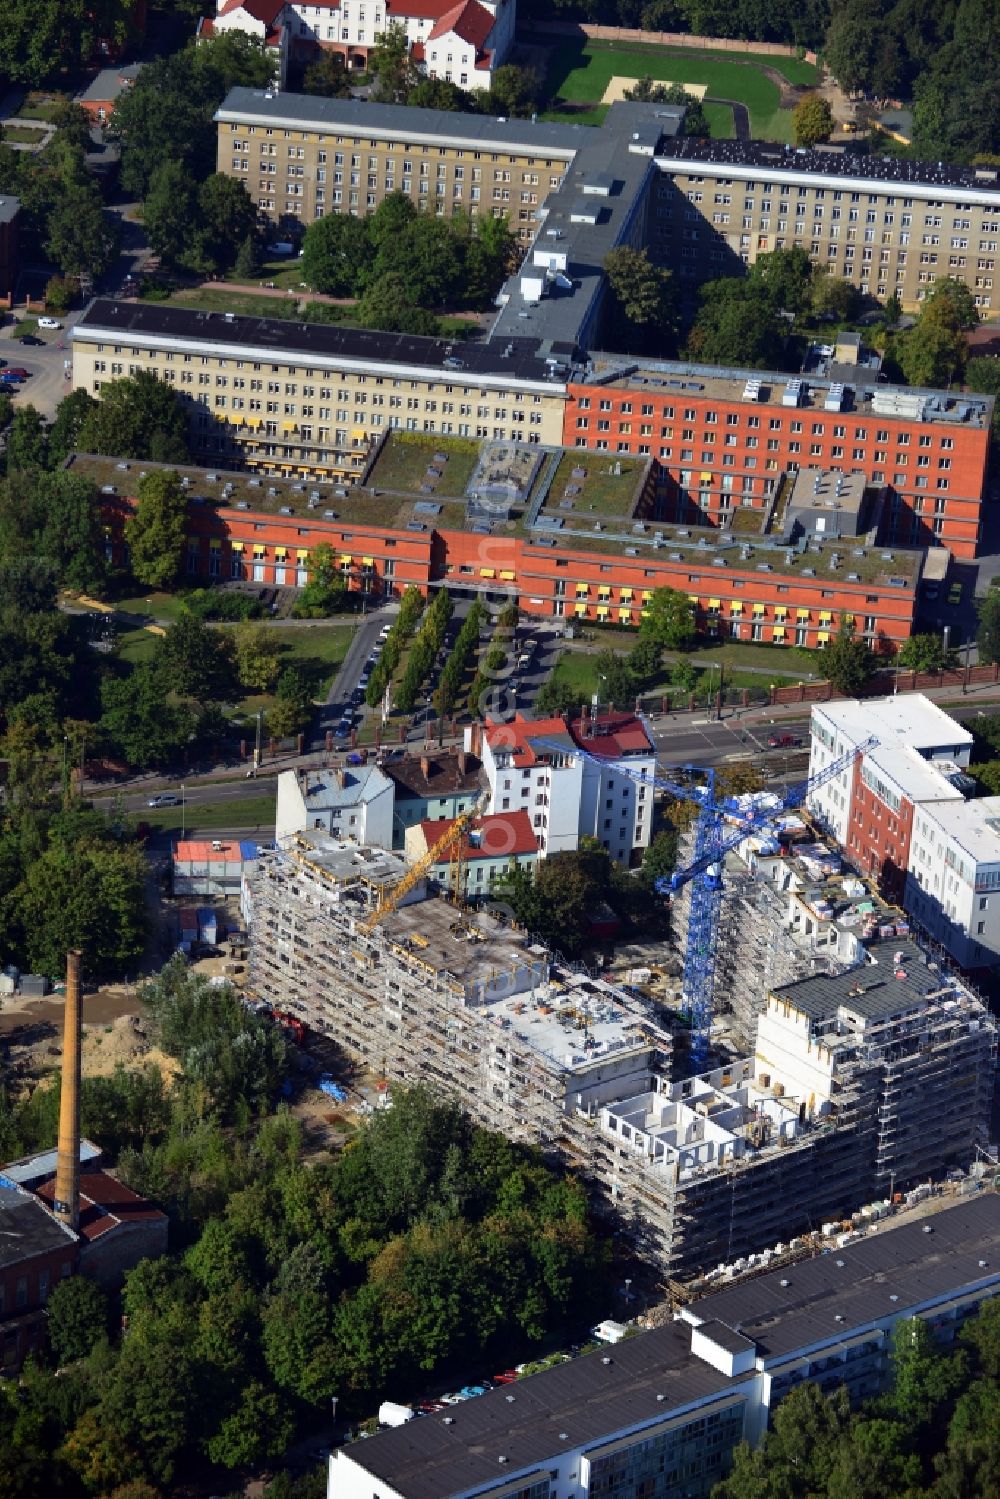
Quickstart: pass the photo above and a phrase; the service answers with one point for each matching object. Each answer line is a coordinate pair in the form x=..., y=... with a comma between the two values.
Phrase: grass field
x=248, y=304
x=40, y=106
x=251, y=812
x=746, y=666
x=580, y=72
x=317, y=650
x=23, y=135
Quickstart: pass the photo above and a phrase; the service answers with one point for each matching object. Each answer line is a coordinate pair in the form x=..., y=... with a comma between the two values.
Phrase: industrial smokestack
x=66, y=1202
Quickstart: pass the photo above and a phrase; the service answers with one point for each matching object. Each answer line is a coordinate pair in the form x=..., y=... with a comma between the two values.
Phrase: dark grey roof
x=9, y=209
x=606, y=158
x=771, y=157
x=506, y=359
x=858, y=1282
x=26, y=1227
x=564, y=1407
x=873, y=990
x=109, y=83
x=725, y=1336
x=298, y=111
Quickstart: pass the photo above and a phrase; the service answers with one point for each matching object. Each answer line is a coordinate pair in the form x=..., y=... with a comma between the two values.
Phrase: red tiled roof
x=417, y=52
x=265, y=11
x=468, y=20
x=499, y=836
x=105, y=1204
x=425, y=10
x=197, y=848
x=516, y=736
x=617, y=735
x=485, y=59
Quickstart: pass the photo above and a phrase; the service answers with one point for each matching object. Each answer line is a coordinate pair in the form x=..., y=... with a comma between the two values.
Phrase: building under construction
x=860, y=1083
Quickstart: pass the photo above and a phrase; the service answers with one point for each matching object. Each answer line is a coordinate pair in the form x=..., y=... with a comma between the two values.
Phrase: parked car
x=383, y=634
x=15, y=369
x=783, y=741
x=281, y=247
x=6, y=378
x=164, y=799
x=29, y=338
x=955, y=594
x=49, y=322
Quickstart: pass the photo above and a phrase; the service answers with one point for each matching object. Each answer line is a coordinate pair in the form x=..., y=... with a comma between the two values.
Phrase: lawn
x=137, y=646
x=317, y=650
x=244, y=304
x=754, y=667
x=403, y=464
x=41, y=106
x=579, y=73
x=203, y=817
x=152, y=606
x=26, y=325
x=23, y=135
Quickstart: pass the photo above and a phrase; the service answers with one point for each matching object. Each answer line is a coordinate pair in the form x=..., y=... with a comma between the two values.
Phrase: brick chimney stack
x=66, y=1201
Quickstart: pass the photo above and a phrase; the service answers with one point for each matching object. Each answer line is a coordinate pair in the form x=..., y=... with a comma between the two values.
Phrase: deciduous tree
x=668, y=619
x=156, y=532
x=812, y=120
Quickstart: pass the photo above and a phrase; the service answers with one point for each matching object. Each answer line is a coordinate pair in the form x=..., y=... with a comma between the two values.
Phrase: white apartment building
x=907, y=726
x=354, y=805
x=572, y=779
x=953, y=878
x=463, y=42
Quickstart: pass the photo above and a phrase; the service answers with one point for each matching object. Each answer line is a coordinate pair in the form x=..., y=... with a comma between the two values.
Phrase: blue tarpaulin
x=332, y=1090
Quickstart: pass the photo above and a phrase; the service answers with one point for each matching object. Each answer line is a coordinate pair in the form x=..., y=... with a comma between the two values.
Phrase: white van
x=391, y=1414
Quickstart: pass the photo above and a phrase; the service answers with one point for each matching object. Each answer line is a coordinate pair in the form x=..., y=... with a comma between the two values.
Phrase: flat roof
x=30, y=1169
x=797, y=1306
x=895, y=979
x=905, y=769
x=434, y=933
x=974, y=825
x=9, y=209
x=907, y=718
x=27, y=1227
x=584, y=225
x=281, y=341
x=881, y=172
x=722, y=383
x=576, y=1022
x=640, y=1381
x=825, y=489
x=399, y=122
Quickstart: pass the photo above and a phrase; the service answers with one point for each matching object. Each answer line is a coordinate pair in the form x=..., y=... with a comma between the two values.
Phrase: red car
x=21, y=374
x=509, y=1376
x=784, y=741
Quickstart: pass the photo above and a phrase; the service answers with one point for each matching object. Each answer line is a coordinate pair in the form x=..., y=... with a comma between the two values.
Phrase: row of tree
x=410, y=609
x=460, y=658
x=424, y=651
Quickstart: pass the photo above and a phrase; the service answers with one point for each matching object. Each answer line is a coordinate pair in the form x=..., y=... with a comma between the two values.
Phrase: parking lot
x=44, y=360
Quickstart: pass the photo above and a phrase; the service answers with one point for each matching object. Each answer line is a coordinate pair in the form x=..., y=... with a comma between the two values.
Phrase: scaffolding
x=697, y=1171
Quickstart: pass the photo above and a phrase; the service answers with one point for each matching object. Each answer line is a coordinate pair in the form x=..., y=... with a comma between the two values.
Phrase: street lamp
x=183, y=810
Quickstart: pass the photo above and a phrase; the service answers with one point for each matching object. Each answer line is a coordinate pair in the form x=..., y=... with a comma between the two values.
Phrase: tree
x=812, y=120
x=929, y=354
x=139, y=416
x=385, y=306
x=90, y=895
x=337, y=254
x=426, y=254
x=951, y=304
x=156, y=532
x=169, y=213
x=261, y=1426
x=852, y=42
x=80, y=236
x=988, y=633
x=642, y=291
x=833, y=298
x=256, y=656
x=59, y=294
x=195, y=657
x=668, y=619
x=77, y=1315
x=617, y=683
x=556, y=905
x=27, y=446
x=695, y=119
x=248, y=257
x=513, y=91
x=395, y=69
x=64, y=433
x=847, y=661
x=440, y=93
x=787, y=277
x=736, y=324
x=139, y=720
x=947, y=123
x=227, y=217
x=925, y=653
x=327, y=76
x=73, y=123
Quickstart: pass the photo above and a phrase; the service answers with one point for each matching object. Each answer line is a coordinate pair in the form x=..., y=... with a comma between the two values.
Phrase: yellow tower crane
x=391, y=899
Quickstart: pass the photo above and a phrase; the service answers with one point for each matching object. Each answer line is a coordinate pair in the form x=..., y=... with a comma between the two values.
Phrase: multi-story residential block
x=431, y=787
x=482, y=856
x=302, y=157
x=570, y=778
x=354, y=803
x=953, y=879
x=559, y=553
x=661, y=1412
x=892, y=227
x=919, y=747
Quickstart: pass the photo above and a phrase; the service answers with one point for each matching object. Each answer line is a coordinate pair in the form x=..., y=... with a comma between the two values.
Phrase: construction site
x=871, y=1074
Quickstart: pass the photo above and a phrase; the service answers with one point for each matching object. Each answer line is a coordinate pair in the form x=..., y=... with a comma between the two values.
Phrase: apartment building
x=482, y=856
x=571, y=778
x=890, y=226
x=312, y=398
x=301, y=157
x=563, y=556
x=660, y=1413
x=953, y=880
x=917, y=741
x=431, y=787
x=354, y=803
x=728, y=437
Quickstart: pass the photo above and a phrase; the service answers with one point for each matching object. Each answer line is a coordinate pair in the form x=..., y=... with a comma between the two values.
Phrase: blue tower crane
x=719, y=828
